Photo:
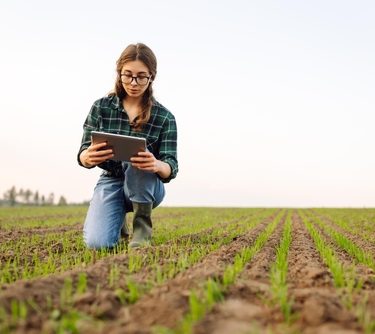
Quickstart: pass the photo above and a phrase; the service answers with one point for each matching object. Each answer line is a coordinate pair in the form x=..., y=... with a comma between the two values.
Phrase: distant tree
x=51, y=199
x=11, y=196
x=36, y=198
x=27, y=194
x=21, y=194
x=43, y=200
x=62, y=201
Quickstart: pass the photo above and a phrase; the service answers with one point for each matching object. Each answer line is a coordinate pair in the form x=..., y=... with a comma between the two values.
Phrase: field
x=209, y=270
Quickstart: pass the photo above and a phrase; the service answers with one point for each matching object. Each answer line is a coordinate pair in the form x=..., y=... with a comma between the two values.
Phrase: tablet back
x=124, y=147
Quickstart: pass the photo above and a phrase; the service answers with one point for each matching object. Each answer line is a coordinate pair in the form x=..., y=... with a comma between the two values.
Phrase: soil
x=360, y=242
x=317, y=306
x=12, y=235
x=105, y=304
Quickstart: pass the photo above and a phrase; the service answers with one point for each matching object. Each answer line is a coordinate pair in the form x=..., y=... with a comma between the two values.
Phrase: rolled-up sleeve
x=168, y=146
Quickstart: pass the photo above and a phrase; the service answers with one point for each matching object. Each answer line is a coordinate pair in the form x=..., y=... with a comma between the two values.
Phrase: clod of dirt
x=57, y=247
x=102, y=305
x=331, y=329
x=317, y=309
x=315, y=273
x=239, y=309
x=229, y=326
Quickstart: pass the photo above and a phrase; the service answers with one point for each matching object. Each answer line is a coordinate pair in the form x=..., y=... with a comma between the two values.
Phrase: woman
x=129, y=186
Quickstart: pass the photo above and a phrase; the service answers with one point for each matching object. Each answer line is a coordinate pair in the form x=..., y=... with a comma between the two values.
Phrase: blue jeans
x=112, y=199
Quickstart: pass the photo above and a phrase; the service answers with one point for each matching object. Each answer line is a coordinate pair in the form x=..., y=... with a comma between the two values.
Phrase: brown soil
x=105, y=304
x=165, y=305
x=244, y=309
x=317, y=306
x=42, y=251
x=360, y=242
x=316, y=301
x=14, y=234
x=247, y=307
x=365, y=274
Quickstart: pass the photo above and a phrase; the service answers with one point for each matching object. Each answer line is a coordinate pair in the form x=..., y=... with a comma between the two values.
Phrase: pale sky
x=274, y=100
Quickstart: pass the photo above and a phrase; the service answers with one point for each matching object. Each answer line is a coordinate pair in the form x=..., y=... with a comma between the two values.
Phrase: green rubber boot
x=125, y=230
x=142, y=225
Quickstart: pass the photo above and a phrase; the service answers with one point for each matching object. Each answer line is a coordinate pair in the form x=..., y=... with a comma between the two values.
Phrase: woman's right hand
x=95, y=155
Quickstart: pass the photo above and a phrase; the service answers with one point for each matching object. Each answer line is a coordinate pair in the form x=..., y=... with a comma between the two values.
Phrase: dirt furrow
x=102, y=304
x=165, y=305
x=315, y=300
x=43, y=251
x=360, y=242
x=14, y=234
x=244, y=309
x=364, y=273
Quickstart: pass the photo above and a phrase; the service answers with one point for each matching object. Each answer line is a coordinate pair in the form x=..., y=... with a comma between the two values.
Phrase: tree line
x=22, y=196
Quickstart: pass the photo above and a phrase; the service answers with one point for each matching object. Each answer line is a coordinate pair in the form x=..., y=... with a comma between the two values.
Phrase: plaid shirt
x=108, y=115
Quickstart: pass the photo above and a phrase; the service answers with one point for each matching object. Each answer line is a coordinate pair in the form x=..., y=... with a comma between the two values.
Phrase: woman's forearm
x=164, y=169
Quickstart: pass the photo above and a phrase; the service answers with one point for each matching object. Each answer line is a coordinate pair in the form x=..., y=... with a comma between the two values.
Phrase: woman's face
x=135, y=78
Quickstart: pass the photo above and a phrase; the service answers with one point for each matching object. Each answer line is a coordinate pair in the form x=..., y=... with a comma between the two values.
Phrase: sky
x=274, y=100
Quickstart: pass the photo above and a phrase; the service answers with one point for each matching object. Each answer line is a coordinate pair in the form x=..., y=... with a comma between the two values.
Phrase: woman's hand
x=95, y=155
x=146, y=161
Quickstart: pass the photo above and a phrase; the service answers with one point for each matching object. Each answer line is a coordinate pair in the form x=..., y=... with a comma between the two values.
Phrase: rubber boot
x=125, y=230
x=142, y=225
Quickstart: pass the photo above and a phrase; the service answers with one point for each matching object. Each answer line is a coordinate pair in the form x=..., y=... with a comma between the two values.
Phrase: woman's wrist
x=83, y=158
x=163, y=169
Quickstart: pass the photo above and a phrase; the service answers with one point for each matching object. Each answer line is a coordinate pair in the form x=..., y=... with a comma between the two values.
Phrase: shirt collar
x=116, y=104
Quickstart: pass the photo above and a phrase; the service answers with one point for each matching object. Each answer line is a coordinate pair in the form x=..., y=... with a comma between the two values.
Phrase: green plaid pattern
x=108, y=115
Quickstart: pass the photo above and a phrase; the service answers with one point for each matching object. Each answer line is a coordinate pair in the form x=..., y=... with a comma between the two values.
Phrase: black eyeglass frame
x=135, y=78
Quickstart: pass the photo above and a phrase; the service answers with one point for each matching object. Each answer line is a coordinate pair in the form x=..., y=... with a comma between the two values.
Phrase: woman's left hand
x=146, y=161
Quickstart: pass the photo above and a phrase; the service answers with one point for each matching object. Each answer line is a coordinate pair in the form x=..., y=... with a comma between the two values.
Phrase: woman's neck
x=133, y=101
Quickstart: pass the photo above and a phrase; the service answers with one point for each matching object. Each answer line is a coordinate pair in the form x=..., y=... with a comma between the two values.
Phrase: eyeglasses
x=141, y=80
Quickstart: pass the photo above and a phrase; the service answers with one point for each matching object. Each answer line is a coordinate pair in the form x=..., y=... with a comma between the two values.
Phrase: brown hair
x=143, y=53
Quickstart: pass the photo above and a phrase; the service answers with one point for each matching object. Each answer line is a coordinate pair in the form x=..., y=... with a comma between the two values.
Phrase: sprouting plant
x=81, y=283
x=228, y=276
x=279, y=271
x=364, y=316
x=196, y=307
x=66, y=293
x=133, y=292
x=19, y=310
x=68, y=323
x=114, y=275
x=159, y=274
x=121, y=295
x=34, y=306
x=135, y=262
x=213, y=293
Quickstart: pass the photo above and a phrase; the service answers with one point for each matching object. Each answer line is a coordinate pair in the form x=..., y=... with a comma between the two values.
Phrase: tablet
x=124, y=147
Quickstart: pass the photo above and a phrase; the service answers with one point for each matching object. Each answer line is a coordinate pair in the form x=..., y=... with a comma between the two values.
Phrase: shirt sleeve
x=91, y=123
x=168, y=147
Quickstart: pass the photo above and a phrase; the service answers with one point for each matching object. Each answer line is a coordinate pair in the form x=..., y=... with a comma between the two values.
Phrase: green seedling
x=114, y=276
x=66, y=293
x=81, y=283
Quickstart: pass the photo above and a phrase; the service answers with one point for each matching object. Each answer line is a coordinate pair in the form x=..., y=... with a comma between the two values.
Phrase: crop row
x=160, y=263
x=40, y=255
x=360, y=222
x=104, y=282
x=347, y=283
x=202, y=300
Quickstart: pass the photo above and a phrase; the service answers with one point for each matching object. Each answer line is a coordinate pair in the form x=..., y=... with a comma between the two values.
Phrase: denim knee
x=98, y=241
x=105, y=215
x=142, y=186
